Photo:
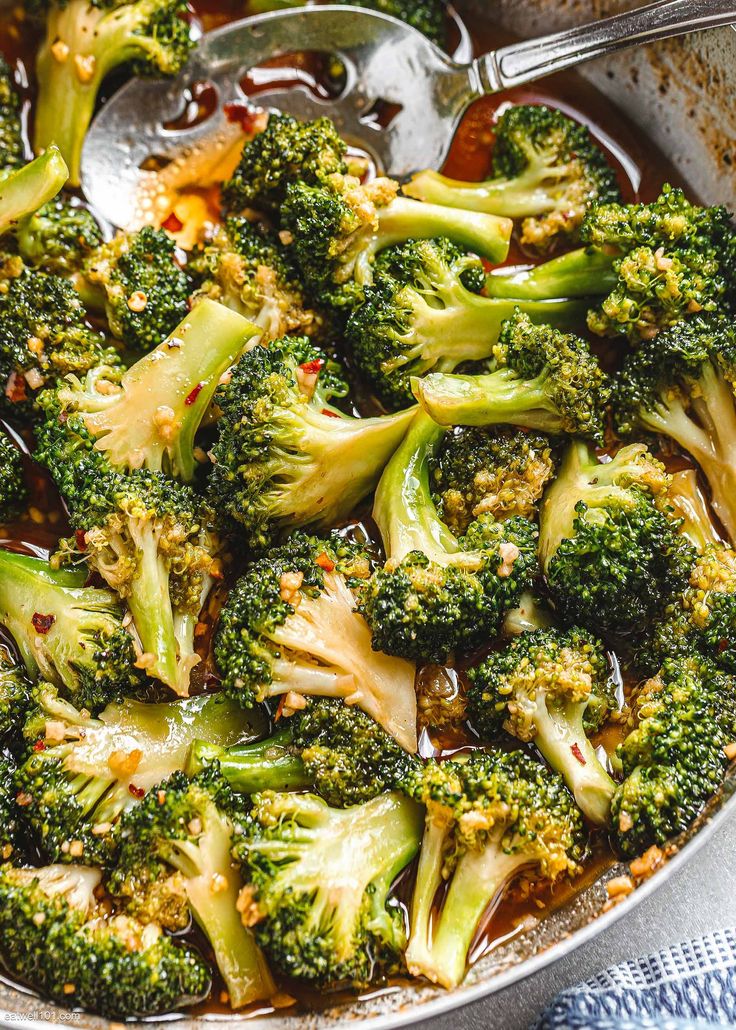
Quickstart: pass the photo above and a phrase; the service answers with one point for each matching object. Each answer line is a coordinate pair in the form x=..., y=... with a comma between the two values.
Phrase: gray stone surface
x=698, y=898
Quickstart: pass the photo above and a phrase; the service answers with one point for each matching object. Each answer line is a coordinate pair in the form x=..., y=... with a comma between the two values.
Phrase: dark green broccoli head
x=428, y=16
x=502, y=472
x=13, y=489
x=285, y=457
x=405, y=262
x=552, y=688
x=140, y=286
x=11, y=839
x=12, y=148
x=612, y=558
x=56, y=939
x=15, y=697
x=318, y=881
x=59, y=237
x=673, y=759
x=290, y=624
x=287, y=151
x=676, y=259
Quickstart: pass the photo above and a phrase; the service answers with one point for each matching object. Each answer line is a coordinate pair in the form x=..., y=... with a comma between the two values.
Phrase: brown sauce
x=642, y=170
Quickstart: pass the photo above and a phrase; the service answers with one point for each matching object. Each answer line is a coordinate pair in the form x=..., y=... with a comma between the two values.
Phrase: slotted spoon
x=132, y=162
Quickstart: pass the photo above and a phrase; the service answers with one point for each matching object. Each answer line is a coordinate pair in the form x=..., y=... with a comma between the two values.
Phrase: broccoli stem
x=251, y=768
x=24, y=191
x=562, y=740
x=404, y=219
x=102, y=39
x=403, y=508
x=149, y=601
x=238, y=958
x=523, y=196
x=179, y=378
x=429, y=877
x=689, y=503
x=476, y=882
x=499, y=398
x=581, y=273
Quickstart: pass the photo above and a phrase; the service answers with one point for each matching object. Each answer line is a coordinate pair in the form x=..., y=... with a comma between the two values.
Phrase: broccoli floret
x=611, y=557
x=43, y=336
x=26, y=189
x=57, y=939
x=176, y=844
x=12, y=147
x=152, y=540
x=551, y=688
x=318, y=883
x=150, y=36
x=438, y=592
x=247, y=268
x=674, y=759
x=681, y=386
x=66, y=632
x=424, y=319
x=81, y=774
x=137, y=282
x=290, y=625
x=148, y=415
x=13, y=489
x=547, y=170
x=339, y=227
x=497, y=471
x=586, y=272
x=543, y=379
x=286, y=152
x=59, y=237
x=674, y=258
x=488, y=817
x=15, y=697
x=11, y=840
x=285, y=457
x=334, y=748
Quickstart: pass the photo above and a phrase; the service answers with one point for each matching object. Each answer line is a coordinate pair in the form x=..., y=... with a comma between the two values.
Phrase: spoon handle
x=529, y=60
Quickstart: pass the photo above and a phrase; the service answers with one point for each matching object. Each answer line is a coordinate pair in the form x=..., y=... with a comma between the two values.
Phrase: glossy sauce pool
x=642, y=170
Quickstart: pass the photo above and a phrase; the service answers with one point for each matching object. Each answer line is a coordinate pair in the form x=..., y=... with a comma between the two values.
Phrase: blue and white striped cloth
x=689, y=986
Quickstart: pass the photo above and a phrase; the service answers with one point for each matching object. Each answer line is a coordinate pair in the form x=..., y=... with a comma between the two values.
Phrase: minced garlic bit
x=648, y=863
x=509, y=553
x=137, y=301
x=218, y=883
x=60, y=51
x=194, y=826
x=34, y=378
x=145, y=660
x=164, y=419
x=292, y=703
x=730, y=751
x=289, y=586
x=248, y=907
x=54, y=731
x=84, y=65
x=123, y=764
x=619, y=886
x=76, y=848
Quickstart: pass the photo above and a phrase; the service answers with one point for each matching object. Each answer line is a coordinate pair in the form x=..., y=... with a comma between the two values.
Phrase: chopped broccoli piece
x=26, y=189
x=55, y=937
x=612, y=558
x=12, y=147
x=287, y=151
x=438, y=592
x=424, y=319
x=318, y=883
x=681, y=386
x=673, y=759
x=285, y=457
x=543, y=379
x=290, y=625
x=148, y=415
x=248, y=269
x=488, y=817
x=339, y=227
x=586, y=272
x=552, y=688
x=150, y=36
x=496, y=471
x=66, y=632
x=176, y=845
x=137, y=282
x=547, y=170
x=674, y=258
x=59, y=237
x=82, y=774
x=15, y=697
x=13, y=489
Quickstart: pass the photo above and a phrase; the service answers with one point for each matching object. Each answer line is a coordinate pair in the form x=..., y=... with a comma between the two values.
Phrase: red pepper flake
x=42, y=623
x=330, y=414
x=312, y=368
x=39, y=746
x=80, y=539
x=325, y=562
x=722, y=646
x=578, y=754
x=15, y=388
x=63, y=418
x=191, y=398
x=23, y=799
x=172, y=223
x=247, y=117
x=137, y=792
x=280, y=709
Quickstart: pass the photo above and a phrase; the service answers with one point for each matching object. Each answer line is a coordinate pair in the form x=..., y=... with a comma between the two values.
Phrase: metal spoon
x=402, y=96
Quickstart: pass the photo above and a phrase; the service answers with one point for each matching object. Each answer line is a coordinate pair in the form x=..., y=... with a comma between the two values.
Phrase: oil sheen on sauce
x=641, y=169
